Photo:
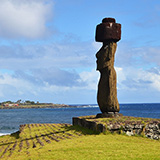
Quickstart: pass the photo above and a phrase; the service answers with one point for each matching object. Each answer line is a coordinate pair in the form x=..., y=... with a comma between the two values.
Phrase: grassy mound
x=64, y=141
x=120, y=119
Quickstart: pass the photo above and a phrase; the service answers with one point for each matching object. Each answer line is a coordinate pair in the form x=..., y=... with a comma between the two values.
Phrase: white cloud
x=138, y=57
x=23, y=86
x=97, y=46
x=120, y=75
x=43, y=72
x=90, y=78
x=137, y=79
x=76, y=55
x=24, y=18
x=137, y=85
x=66, y=72
x=13, y=87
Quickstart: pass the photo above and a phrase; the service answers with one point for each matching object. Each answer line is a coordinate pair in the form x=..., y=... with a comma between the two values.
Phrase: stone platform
x=108, y=115
x=146, y=127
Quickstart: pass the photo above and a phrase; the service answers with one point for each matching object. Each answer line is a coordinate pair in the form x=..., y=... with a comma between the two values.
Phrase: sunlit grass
x=66, y=142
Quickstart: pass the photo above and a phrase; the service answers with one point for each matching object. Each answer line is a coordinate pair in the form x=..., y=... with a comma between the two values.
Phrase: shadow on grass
x=15, y=135
x=82, y=130
x=65, y=129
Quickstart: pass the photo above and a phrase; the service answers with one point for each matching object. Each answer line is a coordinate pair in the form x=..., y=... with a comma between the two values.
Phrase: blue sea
x=11, y=119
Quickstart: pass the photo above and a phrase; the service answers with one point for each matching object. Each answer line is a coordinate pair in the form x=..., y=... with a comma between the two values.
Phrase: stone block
x=101, y=128
x=108, y=30
x=108, y=115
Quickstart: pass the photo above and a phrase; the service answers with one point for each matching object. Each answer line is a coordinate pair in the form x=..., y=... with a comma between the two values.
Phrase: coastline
x=37, y=106
x=48, y=106
x=64, y=113
x=4, y=134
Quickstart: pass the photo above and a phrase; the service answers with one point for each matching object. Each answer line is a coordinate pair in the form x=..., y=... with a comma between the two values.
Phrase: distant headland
x=30, y=104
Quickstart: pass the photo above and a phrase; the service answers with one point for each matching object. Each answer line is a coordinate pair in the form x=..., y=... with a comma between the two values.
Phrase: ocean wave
x=87, y=106
x=2, y=134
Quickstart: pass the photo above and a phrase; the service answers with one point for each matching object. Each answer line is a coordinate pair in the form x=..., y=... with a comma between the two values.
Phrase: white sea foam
x=2, y=134
x=87, y=106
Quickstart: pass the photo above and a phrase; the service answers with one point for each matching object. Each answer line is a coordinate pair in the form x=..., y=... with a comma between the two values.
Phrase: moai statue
x=108, y=32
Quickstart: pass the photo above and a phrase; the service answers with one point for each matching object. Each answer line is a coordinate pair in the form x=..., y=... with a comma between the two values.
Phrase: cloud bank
x=24, y=18
x=53, y=71
x=41, y=65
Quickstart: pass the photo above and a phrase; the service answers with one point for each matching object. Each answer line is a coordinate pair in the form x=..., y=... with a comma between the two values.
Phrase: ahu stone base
x=108, y=115
x=149, y=128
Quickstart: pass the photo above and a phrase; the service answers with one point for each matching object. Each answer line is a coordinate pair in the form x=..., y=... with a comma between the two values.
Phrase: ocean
x=11, y=119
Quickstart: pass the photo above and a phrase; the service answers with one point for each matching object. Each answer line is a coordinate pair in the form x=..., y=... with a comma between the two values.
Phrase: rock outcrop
x=109, y=33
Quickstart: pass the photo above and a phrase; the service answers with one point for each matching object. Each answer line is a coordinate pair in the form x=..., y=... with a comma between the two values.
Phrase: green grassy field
x=66, y=142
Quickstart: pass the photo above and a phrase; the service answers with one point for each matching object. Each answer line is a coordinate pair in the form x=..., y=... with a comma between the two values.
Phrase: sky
x=47, y=50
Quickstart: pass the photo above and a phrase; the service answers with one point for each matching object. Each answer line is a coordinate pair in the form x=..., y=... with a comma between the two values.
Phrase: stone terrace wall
x=150, y=129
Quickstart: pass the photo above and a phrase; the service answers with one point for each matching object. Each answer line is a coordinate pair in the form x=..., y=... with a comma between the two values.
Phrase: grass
x=120, y=119
x=66, y=142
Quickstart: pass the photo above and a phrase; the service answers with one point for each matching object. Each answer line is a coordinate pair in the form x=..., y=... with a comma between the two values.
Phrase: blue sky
x=47, y=50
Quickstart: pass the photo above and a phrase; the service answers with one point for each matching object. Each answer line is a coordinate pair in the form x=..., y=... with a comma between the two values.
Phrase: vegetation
x=29, y=104
x=63, y=141
x=120, y=119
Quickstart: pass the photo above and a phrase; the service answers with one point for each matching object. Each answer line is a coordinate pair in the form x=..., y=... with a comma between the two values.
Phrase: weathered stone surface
x=107, y=87
x=152, y=130
x=100, y=128
x=130, y=128
x=114, y=127
x=108, y=30
x=108, y=115
x=129, y=133
x=105, y=56
x=83, y=123
x=109, y=33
